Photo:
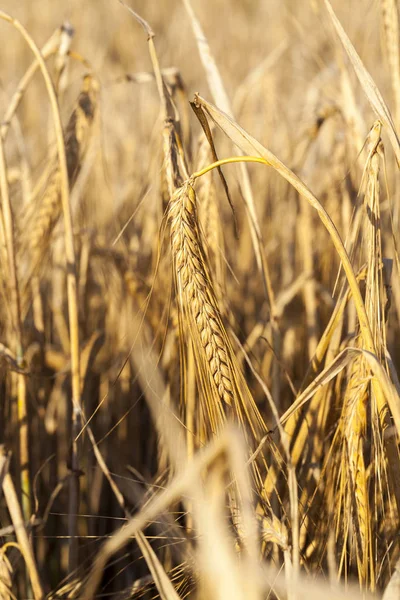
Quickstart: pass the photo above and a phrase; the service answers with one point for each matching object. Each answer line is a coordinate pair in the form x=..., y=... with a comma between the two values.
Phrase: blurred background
x=291, y=87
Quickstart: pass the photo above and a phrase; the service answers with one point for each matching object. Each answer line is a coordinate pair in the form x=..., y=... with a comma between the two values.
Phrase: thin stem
x=8, y=225
x=228, y=161
x=71, y=286
x=48, y=49
x=19, y=525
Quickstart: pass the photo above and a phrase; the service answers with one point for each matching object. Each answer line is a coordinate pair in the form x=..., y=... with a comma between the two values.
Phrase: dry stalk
x=390, y=19
x=19, y=525
x=71, y=276
x=48, y=50
x=16, y=334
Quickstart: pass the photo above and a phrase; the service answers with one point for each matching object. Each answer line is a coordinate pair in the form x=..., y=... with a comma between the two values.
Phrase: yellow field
x=200, y=299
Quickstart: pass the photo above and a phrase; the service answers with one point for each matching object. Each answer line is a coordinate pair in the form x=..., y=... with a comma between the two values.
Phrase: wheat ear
x=195, y=290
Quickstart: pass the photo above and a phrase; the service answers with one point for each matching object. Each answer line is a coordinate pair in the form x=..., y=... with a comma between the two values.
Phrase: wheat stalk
x=390, y=19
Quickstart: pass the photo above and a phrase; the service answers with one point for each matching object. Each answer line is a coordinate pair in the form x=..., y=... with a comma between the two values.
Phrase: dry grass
x=200, y=300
